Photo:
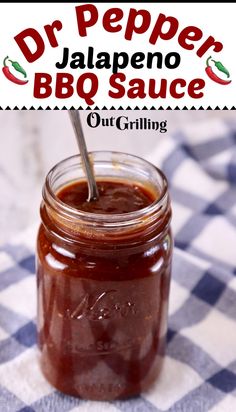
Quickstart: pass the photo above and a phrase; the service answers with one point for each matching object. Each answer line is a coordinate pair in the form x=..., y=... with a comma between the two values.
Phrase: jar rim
x=103, y=218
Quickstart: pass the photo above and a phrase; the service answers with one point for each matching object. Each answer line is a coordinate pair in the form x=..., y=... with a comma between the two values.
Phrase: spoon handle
x=92, y=186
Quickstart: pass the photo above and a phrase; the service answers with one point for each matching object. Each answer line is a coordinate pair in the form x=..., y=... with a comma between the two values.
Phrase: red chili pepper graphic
x=11, y=76
x=212, y=75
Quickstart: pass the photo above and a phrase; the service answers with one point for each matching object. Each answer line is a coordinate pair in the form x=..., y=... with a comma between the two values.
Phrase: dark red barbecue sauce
x=102, y=301
x=114, y=197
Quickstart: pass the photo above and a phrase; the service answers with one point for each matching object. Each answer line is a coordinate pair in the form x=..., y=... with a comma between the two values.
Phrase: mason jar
x=103, y=283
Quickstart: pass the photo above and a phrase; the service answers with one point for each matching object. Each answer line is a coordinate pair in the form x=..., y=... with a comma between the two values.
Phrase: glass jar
x=103, y=284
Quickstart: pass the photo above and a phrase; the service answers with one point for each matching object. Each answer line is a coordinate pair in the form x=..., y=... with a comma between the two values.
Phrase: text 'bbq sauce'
x=103, y=270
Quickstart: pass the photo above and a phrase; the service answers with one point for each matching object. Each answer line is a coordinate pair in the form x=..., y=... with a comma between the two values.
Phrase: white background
x=217, y=20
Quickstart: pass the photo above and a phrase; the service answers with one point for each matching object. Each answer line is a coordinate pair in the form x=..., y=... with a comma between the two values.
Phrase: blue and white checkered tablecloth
x=199, y=372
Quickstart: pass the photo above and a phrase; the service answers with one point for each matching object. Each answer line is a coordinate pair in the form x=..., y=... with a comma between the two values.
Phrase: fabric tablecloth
x=199, y=371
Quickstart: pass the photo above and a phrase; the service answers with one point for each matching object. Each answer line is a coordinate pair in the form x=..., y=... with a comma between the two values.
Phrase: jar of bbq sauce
x=103, y=275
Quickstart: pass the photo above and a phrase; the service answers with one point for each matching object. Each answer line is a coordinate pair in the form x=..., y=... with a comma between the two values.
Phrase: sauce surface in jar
x=103, y=295
x=114, y=197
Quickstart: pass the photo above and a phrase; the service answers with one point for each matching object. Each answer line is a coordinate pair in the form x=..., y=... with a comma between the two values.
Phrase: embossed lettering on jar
x=103, y=278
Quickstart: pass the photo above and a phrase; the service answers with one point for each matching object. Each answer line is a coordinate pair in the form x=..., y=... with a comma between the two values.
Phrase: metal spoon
x=92, y=186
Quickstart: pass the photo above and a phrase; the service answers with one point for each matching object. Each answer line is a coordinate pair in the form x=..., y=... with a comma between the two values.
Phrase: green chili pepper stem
x=4, y=61
x=207, y=62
